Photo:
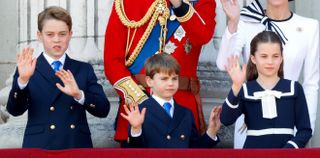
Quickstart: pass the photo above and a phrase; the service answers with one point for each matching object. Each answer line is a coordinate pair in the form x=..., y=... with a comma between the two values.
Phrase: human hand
x=26, y=64
x=237, y=75
x=134, y=116
x=214, y=120
x=70, y=85
x=232, y=10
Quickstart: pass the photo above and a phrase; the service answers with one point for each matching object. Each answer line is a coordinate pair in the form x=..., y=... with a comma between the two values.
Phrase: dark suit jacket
x=56, y=120
x=159, y=130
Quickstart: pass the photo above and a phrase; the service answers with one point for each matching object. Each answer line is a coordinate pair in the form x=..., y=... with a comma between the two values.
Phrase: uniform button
x=182, y=137
x=92, y=105
x=52, y=127
x=52, y=108
x=15, y=95
x=168, y=137
x=72, y=126
x=71, y=107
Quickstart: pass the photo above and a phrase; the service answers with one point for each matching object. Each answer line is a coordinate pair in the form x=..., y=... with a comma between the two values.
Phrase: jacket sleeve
x=198, y=21
x=231, y=108
x=231, y=44
x=96, y=101
x=201, y=141
x=311, y=72
x=302, y=121
x=114, y=61
x=19, y=100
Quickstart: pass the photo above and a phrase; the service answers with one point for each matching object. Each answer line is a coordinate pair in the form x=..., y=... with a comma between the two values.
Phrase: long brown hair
x=262, y=37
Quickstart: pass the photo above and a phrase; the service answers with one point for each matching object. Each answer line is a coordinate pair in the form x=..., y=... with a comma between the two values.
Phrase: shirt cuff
x=213, y=137
x=22, y=86
x=137, y=134
x=81, y=100
x=229, y=34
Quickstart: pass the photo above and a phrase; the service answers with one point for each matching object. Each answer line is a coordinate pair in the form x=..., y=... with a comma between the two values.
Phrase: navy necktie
x=167, y=107
x=56, y=65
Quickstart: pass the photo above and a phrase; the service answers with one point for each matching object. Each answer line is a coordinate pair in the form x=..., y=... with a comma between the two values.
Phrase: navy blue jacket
x=159, y=130
x=56, y=120
x=278, y=132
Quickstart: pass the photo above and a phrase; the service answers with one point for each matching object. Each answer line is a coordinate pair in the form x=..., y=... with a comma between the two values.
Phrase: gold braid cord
x=157, y=11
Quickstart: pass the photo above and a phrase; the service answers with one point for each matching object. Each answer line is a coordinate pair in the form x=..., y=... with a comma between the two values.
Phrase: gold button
x=72, y=126
x=92, y=105
x=168, y=137
x=52, y=127
x=52, y=108
x=71, y=107
x=182, y=137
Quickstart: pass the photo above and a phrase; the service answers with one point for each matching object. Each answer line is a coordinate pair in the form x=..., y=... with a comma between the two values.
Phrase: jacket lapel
x=156, y=109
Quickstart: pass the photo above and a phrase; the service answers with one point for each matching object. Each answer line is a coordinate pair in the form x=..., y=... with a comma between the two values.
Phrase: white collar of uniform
x=51, y=60
x=162, y=101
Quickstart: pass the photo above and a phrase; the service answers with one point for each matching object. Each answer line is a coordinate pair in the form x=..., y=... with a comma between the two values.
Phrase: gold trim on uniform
x=187, y=16
x=157, y=11
x=130, y=90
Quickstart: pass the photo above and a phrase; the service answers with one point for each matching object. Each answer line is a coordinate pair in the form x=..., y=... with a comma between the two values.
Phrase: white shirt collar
x=162, y=101
x=50, y=60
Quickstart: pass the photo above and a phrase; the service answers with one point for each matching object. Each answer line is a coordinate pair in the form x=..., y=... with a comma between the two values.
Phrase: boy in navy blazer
x=55, y=89
x=162, y=122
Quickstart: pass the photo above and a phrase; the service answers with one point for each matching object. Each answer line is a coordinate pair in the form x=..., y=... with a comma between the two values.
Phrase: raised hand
x=237, y=75
x=26, y=64
x=134, y=116
x=232, y=10
x=70, y=85
x=214, y=120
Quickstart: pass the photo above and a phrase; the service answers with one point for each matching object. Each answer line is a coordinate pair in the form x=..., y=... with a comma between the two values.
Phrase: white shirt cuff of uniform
x=228, y=34
x=136, y=134
x=81, y=100
x=213, y=137
x=22, y=86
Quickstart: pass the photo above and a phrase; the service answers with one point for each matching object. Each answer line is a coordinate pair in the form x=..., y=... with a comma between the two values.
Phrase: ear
x=39, y=35
x=253, y=59
x=149, y=81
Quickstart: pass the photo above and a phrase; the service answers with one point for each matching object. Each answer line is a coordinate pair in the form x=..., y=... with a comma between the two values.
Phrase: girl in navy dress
x=272, y=106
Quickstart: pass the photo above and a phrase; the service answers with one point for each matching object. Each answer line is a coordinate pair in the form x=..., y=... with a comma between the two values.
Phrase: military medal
x=170, y=47
x=179, y=34
x=187, y=46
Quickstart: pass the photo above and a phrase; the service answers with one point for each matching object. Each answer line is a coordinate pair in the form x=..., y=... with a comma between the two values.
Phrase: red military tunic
x=186, y=49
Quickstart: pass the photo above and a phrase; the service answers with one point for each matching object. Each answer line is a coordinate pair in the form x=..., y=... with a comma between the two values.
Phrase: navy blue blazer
x=159, y=130
x=278, y=132
x=56, y=120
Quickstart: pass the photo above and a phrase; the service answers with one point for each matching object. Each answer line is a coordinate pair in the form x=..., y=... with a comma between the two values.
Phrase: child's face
x=55, y=37
x=163, y=85
x=267, y=59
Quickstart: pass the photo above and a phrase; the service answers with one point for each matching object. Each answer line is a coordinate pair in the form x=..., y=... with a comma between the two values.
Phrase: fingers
x=59, y=87
x=65, y=76
x=143, y=112
x=126, y=109
x=124, y=116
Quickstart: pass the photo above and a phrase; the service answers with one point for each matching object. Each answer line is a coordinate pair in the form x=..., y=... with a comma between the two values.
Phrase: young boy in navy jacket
x=160, y=122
